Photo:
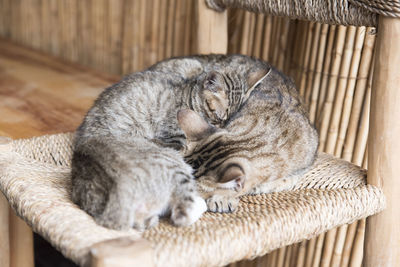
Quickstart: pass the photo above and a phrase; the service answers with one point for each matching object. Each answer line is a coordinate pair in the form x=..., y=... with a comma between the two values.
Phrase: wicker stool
x=35, y=179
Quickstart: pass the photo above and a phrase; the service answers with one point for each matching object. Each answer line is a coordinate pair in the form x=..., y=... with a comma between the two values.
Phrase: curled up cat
x=232, y=122
x=264, y=147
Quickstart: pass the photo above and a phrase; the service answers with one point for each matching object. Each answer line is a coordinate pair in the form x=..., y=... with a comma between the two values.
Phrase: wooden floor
x=39, y=95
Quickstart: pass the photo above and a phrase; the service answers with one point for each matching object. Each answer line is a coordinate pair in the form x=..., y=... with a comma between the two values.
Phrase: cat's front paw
x=218, y=203
x=188, y=211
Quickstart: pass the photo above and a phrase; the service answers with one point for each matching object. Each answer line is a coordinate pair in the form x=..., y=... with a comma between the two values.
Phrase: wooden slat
x=212, y=30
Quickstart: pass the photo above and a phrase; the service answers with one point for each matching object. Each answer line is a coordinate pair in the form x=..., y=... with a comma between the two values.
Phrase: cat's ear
x=193, y=125
x=256, y=77
x=233, y=178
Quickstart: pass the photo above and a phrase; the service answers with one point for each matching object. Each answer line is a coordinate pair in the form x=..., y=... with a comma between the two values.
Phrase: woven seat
x=34, y=176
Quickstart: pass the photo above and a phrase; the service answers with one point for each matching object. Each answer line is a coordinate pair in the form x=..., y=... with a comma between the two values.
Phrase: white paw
x=188, y=212
x=219, y=203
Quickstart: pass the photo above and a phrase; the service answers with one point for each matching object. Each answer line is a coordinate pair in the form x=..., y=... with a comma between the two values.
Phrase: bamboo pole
x=45, y=27
x=294, y=255
x=262, y=261
x=126, y=50
x=342, y=110
x=348, y=243
x=288, y=256
x=212, y=30
x=338, y=246
x=21, y=242
x=340, y=90
x=115, y=11
x=281, y=257
x=4, y=229
x=178, y=29
x=358, y=98
x=235, y=29
x=306, y=58
x=383, y=230
x=5, y=18
x=272, y=258
x=318, y=250
x=362, y=135
x=349, y=91
x=310, y=250
x=275, y=44
x=283, y=38
x=289, y=49
x=298, y=53
x=311, y=64
x=54, y=33
x=148, y=9
x=141, y=37
x=325, y=72
x=331, y=90
x=258, y=35
x=83, y=35
x=337, y=64
x=358, y=246
x=361, y=86
x=318, y=72
x=274, y=41
x=267, y=37
x=244, y=42
x=170, y=28
x=328, y=247
x=250, y=36
x=188, y=28
x=300, y=261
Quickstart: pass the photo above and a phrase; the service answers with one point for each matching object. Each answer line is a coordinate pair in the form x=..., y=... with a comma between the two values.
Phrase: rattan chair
x=34, y=176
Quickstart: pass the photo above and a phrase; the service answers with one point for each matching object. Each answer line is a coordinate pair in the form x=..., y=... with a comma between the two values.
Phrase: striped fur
x=133, y=162
x=263, y=147
x=127, y=166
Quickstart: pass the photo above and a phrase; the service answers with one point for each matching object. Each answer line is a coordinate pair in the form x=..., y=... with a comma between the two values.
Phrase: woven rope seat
x=344, y=12
x=35, y=178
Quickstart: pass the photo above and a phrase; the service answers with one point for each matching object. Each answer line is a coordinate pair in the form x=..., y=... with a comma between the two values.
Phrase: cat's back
x=276, y=121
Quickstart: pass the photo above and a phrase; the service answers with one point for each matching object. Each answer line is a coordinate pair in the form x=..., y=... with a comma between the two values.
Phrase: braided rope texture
x=387, y=8
x=35, y=178
x=343, y=12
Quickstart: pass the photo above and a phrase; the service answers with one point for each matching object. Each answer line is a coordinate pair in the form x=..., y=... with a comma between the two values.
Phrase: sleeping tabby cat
x=239, y=133
x=263, y=147
x=127, y=168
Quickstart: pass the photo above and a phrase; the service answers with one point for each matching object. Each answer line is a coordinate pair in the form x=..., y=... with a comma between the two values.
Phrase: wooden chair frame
x=383, y=230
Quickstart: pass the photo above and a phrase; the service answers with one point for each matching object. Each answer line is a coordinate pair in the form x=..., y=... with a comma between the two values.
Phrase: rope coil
x=344, y=12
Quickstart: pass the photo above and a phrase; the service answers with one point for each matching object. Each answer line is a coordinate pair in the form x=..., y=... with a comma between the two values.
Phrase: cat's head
x=222, y=92
x=216, y=161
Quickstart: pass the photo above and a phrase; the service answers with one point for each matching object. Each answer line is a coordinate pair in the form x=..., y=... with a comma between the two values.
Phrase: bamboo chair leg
x=21, y=242
x=16, y=239
x=4, y=233
x=383, y=229
x=212, y=30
